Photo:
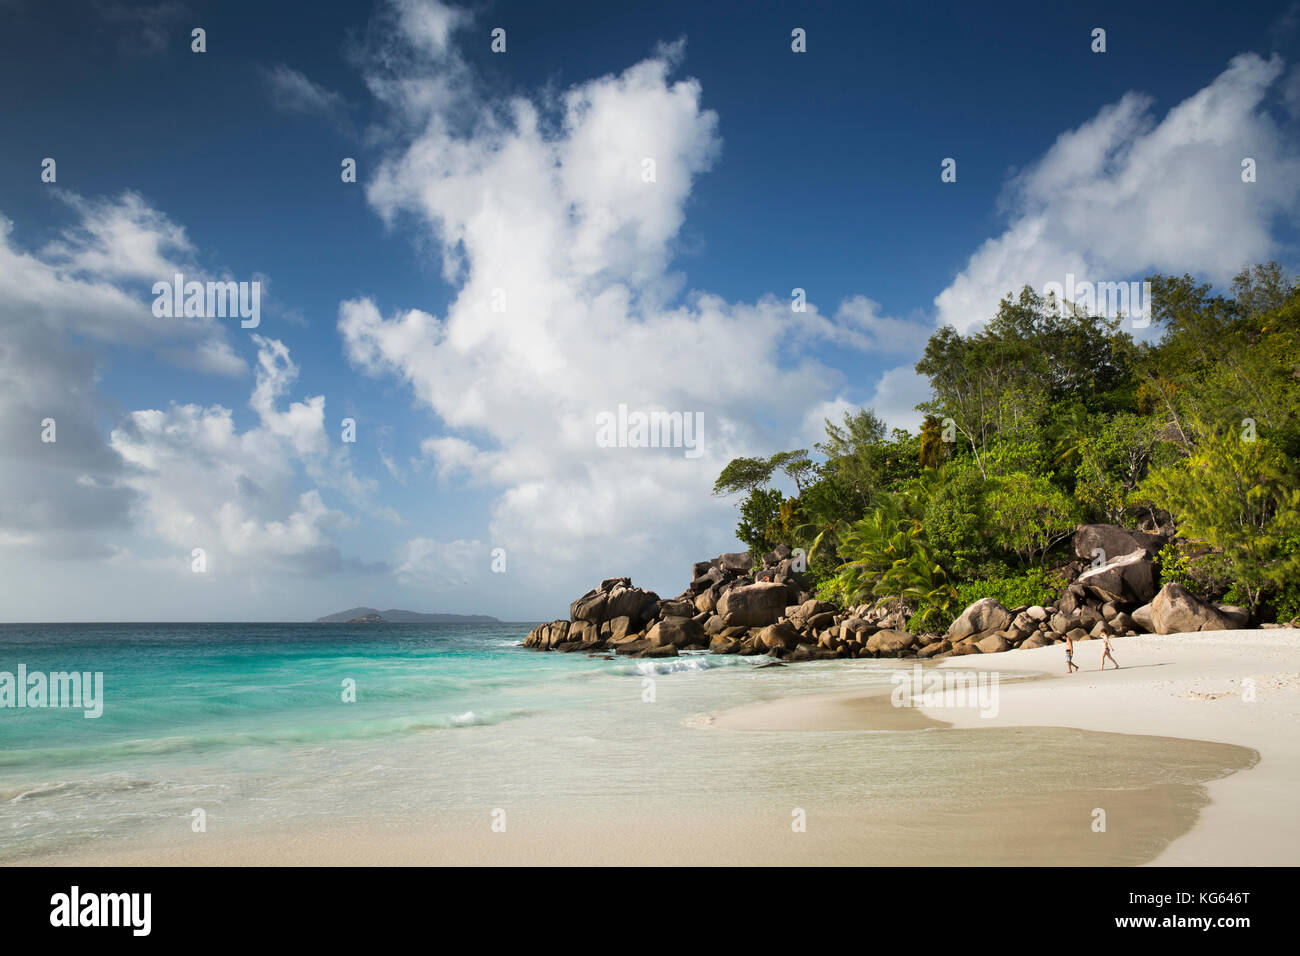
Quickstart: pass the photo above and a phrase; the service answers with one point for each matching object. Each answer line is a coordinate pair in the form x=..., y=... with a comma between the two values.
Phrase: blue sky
x=775, y=170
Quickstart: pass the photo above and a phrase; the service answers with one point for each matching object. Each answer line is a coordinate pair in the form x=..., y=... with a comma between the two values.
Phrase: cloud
x=859, y=325
x=201, y=483
x=557, y=220
x=121, y=238
x=1123, y=195
x=292, y=91
x=896, y=395
x=147, y=29
x=428, y=26
x=92, y=282
x=185, y=476
x=441, y=565
x=67, y=498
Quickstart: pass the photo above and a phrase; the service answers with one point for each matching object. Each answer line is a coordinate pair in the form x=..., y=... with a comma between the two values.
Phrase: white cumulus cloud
x=1125, y=194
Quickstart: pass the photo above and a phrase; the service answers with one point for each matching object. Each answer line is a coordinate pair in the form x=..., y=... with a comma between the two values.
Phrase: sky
x=613, y=209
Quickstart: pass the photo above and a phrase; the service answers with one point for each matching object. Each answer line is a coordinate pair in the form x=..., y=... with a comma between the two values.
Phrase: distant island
x=369, y=615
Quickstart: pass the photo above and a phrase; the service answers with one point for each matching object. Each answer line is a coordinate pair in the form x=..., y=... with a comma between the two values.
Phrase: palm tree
x=1069, y=433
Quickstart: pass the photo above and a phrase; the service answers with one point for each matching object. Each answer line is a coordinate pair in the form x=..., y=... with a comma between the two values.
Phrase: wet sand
x=1240, y=688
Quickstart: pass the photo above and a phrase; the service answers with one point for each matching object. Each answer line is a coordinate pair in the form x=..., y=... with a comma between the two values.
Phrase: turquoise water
x=205, y=688
x=247, y=723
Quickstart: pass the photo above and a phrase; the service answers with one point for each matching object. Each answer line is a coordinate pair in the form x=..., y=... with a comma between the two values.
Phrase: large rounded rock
x=857, y=628
x=714, y=625
x=1127, y=578
x=707, y=600
x=1111, y=541
x=677, y=631
x=722, y=644
x=590, y=607
x=677, y=607
x=993, y=644
x=1122, y=623
x=738, y=562
x=753, y=605
x=890, y=643
x=620, y=627
x=1239, y=616
x=982, y=617
x=635, y=603
x=781, y=635
x=1176, y=610
x=545, y=636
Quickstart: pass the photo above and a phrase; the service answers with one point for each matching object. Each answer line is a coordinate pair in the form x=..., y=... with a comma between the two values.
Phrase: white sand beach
x=1187, y=686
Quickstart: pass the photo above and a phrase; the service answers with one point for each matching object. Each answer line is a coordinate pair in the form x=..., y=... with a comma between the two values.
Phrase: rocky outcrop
x=1176, y=610
x=730, y=602
x=736, y=605
x=614, y=613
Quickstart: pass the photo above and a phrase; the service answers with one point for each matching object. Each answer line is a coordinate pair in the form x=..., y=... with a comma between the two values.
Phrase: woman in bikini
x=1105, y=653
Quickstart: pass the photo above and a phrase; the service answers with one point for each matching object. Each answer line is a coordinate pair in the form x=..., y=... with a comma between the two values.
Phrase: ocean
x=245, y=727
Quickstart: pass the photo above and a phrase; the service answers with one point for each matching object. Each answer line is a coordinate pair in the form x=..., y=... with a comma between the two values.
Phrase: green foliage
x=743, y=474
x=1032, y=354
x=1113, y=460
x=870, y=548
x=1202, y=571
x=1060, y=417
x=1286, y=603
x=887, y=558
x=954, y=519
x=760, y=520
x=861, y=430
x=746, y=474
x=1028, y=514
x=932, y=451
x=1029, y=587
x=1242, y=499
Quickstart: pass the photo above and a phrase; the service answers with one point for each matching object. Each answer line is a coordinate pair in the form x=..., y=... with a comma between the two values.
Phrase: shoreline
x=1181, y=686
x=1186, y=771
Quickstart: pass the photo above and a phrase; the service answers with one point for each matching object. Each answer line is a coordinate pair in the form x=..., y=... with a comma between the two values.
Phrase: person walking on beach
x=1105, y=653
x=1070, y=665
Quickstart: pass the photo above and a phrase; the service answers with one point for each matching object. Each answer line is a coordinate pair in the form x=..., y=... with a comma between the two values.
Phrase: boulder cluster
x=1112, y=592
x=733, y=606
x=730, y=604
